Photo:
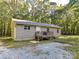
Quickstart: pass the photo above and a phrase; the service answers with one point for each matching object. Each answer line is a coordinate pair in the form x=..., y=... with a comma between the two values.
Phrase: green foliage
x=65, y=16
x=71, y=18
x=10, y=9
x=20, y=9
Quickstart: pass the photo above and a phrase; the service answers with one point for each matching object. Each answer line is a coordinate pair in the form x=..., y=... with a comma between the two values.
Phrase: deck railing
x=43, y=34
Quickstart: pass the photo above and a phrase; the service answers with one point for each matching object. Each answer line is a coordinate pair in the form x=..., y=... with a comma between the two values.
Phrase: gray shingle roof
x=18, y=21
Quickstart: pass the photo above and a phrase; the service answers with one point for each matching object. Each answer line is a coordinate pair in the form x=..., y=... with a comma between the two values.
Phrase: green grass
x=6, y=38
x=72, y=40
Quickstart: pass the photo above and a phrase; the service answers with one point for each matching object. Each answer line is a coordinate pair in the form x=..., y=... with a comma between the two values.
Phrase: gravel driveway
x=37, y=51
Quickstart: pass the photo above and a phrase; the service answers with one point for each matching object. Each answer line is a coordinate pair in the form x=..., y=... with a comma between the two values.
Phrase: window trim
x=26, y=27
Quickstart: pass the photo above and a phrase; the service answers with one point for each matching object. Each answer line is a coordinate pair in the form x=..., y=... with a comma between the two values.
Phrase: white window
x=26, y=27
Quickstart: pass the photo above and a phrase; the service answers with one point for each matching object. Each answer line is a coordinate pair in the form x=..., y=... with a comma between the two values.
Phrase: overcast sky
x=62, y=2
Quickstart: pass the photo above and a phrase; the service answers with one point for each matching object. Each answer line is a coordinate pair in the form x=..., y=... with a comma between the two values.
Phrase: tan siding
x=43, y=29
x=14, y=31
x=38, y=28
x=23, y=34
x=54, y=30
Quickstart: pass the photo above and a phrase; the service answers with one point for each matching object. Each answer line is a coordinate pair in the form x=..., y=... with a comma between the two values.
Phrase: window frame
x=26, y=27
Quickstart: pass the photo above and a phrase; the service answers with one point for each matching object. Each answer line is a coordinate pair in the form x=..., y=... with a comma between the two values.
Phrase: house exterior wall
x=38, y=28
x=54, y=30
x=24, y=34
x=14, y=31
x=43, y=29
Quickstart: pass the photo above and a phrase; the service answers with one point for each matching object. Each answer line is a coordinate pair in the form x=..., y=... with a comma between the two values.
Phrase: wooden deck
x=43, y=34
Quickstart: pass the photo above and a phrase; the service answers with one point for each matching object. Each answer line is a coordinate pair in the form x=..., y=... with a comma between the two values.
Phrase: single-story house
x=25, y=30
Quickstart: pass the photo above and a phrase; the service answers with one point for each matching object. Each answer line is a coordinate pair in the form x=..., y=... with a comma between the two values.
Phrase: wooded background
x=39, y=11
